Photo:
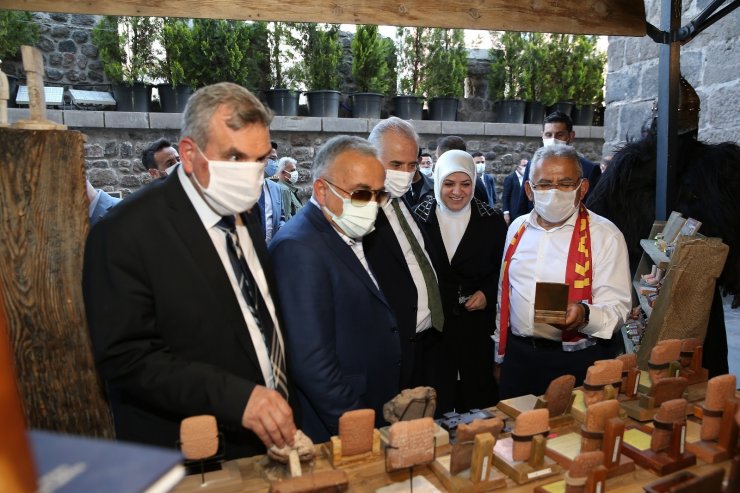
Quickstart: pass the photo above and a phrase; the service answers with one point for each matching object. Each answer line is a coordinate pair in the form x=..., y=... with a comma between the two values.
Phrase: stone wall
x=710, y=62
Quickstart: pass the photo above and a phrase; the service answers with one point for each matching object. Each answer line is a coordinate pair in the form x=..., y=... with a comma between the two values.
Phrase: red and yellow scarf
x=578, y=274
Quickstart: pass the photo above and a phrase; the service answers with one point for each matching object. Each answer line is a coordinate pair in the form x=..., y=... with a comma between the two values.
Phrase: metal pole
x=668, y=76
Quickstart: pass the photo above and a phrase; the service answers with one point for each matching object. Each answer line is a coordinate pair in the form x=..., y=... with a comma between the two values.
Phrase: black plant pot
x=133, y=98
x=284, y=102
x=562, y=106
x=323, y=103
x=599, y=116
x=12, y=90
x=367, y=105
x=511, y=111
x=173, y=99
x=408, y=107
x=534, y=113
x=443, y=109
x=583, y=115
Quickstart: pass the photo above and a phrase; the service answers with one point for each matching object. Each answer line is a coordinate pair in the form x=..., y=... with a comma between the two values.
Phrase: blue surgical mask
x=271, y=168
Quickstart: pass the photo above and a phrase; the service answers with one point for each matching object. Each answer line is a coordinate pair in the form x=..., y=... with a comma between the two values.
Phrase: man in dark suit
x=178, y=293
x=341, y=335
x=512, y=187
x=557, y=128
x=487, y=181
x=422, y=184
x=396, y=253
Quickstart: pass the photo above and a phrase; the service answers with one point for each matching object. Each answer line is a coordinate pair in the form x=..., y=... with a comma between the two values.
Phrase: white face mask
x=355, y=221
x=549, y=142
x=294, y=176
x=398, y=182
x=480, y=168
x=234, y=187
x=426, y=171
x=555, y=205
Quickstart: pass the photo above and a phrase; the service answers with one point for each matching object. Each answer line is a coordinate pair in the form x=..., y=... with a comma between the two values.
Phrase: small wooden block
x=636, y=445
x=461, y=483
x=688, y=482
x=520, y=471
x=550, y=302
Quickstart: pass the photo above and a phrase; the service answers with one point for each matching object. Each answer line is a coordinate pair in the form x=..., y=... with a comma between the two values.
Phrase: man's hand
x=575, y=317
x=477, y=301
x=269, y=416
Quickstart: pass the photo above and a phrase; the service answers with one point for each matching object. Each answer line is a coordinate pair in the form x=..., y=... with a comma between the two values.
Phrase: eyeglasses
x=563, y=186
x=360, y=198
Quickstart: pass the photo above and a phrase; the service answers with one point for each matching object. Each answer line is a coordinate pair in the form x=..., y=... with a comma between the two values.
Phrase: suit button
x=412, y=339
x=398, y=363
x=394, y=330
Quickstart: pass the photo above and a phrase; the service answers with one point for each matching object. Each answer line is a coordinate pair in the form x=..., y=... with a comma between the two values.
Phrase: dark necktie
x=256, y=304
x=434, y=300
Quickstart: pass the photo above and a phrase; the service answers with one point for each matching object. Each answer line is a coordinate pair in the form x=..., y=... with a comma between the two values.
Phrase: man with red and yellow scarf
x=559, y=241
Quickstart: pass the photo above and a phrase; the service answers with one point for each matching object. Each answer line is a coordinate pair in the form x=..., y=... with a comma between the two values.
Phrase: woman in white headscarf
x=466, y=242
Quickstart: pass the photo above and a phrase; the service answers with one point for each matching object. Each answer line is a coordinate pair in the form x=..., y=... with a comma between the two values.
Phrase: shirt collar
x=208, y=216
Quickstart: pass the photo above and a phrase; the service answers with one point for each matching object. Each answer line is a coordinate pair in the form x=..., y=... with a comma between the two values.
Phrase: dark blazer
x=419, y=190
x=105, y=203
x=591, y=171
x=167, y=332
x=475, y=266
x=510, y=197
x=342, y=340
x=480, y=192
x=384, y=254
x=490, y=185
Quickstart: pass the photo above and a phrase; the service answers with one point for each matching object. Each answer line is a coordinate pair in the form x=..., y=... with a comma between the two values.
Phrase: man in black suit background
x=512, y=188
x=398, y=258
x=178, y=294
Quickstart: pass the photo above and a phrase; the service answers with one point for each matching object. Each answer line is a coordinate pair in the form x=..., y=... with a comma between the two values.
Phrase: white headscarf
x=452, y=224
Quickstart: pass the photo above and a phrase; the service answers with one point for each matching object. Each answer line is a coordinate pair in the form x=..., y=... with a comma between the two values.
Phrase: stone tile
x=426, y=126
x=165, y=120
x=296, y=123
x=17, y=114
x=512, y=129
x=463, y=128
x=126, y=119
x=84, y=119
x=581, y=131
x=533, y=130
x=596, y=132
x=345, y=125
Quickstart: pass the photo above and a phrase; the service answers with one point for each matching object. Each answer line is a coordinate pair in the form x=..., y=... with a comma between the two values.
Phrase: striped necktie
x=256, y=304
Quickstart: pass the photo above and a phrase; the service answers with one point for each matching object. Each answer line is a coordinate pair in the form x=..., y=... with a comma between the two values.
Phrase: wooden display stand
x=645, y=407
x=725, y=446
x=565, y=448
x=593, y=483
x=578, y=407
x=228, y=479
x=636, y=445
x=480, y=477
x=688, y=482
x=334, y=452
x=517, y=405
x=691, y=271
x=629, y=391
x=537, y=467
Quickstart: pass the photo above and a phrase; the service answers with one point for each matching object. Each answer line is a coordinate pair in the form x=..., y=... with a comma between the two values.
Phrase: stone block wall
x=710, y=62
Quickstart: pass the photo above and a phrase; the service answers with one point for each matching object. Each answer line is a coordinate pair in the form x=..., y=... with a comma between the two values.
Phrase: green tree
x=447, y=65
x=536, y=76
x=281, y=42
x=370, y=60
x=412, y=58
x=258, y=56
x=588, y=71
x=322, y=51
x=16, y=29
x=505, y=80
x=559, y=60
x=125, y=47
x=176, y=64
x=220, y=50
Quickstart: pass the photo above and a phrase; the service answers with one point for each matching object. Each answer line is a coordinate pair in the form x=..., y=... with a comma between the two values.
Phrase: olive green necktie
x=434, y=300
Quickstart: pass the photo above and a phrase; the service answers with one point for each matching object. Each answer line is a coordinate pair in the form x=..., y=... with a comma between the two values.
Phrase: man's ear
x=528, y=191
x=584, y=189
x=153, y=172
x=319, y=192
x=571, y=137
x=188, y=153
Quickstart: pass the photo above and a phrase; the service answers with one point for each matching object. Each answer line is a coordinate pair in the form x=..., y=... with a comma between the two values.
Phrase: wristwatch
x=586, y=311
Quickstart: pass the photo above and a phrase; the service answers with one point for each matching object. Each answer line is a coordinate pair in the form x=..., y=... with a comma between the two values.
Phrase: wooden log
x=605, y=17
x=43, y=225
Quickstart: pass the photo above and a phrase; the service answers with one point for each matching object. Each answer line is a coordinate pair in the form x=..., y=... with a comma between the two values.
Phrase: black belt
x=537, y=342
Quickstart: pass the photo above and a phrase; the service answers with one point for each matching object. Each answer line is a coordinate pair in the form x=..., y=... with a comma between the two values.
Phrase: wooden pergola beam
x=603, y=17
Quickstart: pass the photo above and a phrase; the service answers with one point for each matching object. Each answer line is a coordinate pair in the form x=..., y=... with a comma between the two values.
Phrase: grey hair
x=555, y=150
x=283, y=161
x=334, y=147
x=245, y=108
x=392, y=124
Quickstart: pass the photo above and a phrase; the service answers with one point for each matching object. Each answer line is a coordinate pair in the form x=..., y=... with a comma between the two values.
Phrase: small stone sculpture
x=419, y=402
x=527, y=425
x=410, y=443
x=356, y=431
x=301, y=444
x=719, y=389
x=629, y=361
x=199, y=437
x=579, y=470
x=558, y=394
x=670, y=412
x=592, y=431
x=688, y=346
x=662, y=355
x=598, y=376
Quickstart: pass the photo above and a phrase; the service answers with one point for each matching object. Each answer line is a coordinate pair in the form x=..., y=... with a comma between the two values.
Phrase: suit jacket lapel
x=206, y=262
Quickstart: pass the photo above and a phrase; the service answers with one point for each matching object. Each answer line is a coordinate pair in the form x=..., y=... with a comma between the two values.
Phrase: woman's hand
x=477, y=301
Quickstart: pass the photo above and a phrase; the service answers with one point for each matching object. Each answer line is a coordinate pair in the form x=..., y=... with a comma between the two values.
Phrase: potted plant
x=588, y=78
x=505, y=78
x=321, y=53
x=16, y=29
x=369, y=71
x=126, y=50
x=412, y=56
x=537, y=89
x=559, y=59
x=282, y=97
x=175, y=64
x=445, y=72
x=220, y=52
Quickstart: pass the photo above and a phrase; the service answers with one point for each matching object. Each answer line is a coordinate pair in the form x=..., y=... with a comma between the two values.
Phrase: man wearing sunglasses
x=560, y=241
x=341, y=334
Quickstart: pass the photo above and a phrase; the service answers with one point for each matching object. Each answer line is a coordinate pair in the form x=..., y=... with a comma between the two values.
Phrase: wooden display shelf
x=659, y=258
x=642, y=298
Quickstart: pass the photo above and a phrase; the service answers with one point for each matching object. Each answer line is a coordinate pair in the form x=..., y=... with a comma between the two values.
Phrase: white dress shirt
x=423, y=313
x=541, y=256
x=218, y=237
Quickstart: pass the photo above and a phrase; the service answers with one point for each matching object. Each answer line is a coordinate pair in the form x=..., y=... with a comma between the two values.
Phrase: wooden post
x=4, y=97
x=43, y=225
